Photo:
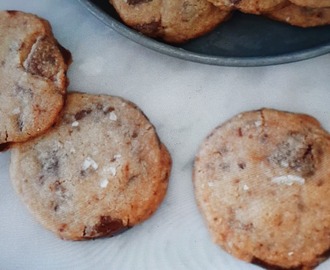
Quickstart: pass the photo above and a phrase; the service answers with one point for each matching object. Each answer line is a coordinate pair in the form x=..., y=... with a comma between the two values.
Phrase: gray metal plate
x=244, y=40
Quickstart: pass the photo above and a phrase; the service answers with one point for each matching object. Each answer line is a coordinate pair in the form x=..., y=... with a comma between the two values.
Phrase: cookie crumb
x=288, y=180
x=89, y=162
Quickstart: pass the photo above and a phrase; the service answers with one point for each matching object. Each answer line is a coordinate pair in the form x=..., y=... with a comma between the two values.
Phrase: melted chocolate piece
x=107, y=226
x=67, y=56
x=81, y=114
x=295, y=153
x=4, y=146
x=151, y=28
x=12, y=12
x=268, y=266
x=136, y=2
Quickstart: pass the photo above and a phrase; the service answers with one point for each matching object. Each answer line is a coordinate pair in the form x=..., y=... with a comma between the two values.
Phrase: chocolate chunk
x=50, y=163
x=242, y=165
x=20, y=124
x=239, y=132
x=268, y=266
x=12, y=12
x=42, y=59
x=105, y=109
x=136, y=2
x=295, y=153
x=81, y=114
x=66, y=54
x=106, y=227
x=135, y=134
x=4, y=146
x=235, y=2
x=151, y=28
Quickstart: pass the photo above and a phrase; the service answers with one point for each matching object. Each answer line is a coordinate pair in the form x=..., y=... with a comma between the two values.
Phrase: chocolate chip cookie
x=249, y=6
x=301, y=16
x=99, y=170
x=262, y=183
x=33, y=78
x=312, y=3
x=174, y=21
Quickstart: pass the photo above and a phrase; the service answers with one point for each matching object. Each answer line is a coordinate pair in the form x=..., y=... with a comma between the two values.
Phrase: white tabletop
x=184, y=101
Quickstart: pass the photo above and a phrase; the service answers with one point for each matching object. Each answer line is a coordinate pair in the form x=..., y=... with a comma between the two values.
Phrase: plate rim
x=183, y=54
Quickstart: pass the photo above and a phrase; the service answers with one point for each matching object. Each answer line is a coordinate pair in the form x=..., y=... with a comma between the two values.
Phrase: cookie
x=33, y=76
x=99, y=170
x=174, y=21
x=312, y=3
x=301, y=16
x=249, y=6
x=262, y=182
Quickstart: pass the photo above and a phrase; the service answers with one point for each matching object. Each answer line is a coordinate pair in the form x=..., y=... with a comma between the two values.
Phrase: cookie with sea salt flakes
x=262, y=182
x=33, y=76
x=174, y=21
x=249, y=6
x=99, y=170
x=301, y=16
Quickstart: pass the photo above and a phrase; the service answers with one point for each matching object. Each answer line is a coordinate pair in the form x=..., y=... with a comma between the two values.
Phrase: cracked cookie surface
x=174, y=21
x=33, y=76
x=262, y=182
x=98, y=171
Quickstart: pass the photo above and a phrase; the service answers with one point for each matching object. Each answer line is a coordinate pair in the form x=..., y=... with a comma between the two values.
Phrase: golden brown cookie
x=262, y=183
x=301, y=16
x=174, y=21
x=249, y=6
x=99, y=170
x=312, y=3
x=33, y=76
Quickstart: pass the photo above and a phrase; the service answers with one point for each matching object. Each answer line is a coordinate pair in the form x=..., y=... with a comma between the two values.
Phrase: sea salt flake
x=246, y=188
x=290, y=253
x=75, y=124
x=89, y=162
x=288, y=180
x=210, y=184
x=257, y=123
x=113, y=116
x=111, y=170
x=16, y=111
x=104, y=183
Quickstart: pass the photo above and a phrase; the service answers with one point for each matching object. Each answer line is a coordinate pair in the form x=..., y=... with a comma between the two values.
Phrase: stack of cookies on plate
x=85, y=165
x=177, y=21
